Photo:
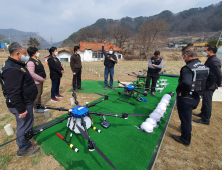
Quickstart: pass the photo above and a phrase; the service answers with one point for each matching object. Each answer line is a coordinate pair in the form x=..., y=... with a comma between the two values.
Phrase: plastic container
x=47, y=114
x=155, y=116
x=153, y=122
x=9, y=130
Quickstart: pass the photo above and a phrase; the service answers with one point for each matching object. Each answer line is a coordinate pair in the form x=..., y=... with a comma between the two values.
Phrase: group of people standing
x=22, y=79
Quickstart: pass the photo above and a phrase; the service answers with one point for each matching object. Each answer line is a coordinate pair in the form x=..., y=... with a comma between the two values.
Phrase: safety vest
x=28, y=88
x=39, y=69
x=156, y=62
x=109, y=63
x=200, y=73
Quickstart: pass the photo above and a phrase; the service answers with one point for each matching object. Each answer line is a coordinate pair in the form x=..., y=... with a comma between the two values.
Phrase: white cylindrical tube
x=72, y=101
x=9, y=130
x=47, y=114
x=155, y=116
x=164, y=101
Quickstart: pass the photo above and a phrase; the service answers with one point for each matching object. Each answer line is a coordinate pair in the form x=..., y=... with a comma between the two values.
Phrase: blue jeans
x=23, y=126
x=106, y=74
x=55, y=88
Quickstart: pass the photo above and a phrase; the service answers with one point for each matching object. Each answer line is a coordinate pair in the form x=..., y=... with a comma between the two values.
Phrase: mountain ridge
x=193, y=20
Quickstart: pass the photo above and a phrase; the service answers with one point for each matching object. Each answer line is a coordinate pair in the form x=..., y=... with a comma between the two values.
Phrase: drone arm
x=34, y=132
x=104, y=114
x=145, y=94
x=46, y=107
x=94, y=104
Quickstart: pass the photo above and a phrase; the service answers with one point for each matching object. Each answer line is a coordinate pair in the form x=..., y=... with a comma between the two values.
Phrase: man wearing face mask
x=191, y=84
x=76, y=67
x=20, y=92
x=154, y=67
x=56, y=72
x=109, y=63
x=37, y=72
x=215, y=67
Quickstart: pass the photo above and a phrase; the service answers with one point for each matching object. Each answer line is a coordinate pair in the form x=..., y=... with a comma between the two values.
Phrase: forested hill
x=207, y=19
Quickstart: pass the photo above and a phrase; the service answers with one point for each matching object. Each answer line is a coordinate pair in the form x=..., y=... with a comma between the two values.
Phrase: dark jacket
x=55, y=67
x=75, y=62
x=107, y=62
x=20, y=88
x=215, y=67
x=185, y=82
x=157, y=68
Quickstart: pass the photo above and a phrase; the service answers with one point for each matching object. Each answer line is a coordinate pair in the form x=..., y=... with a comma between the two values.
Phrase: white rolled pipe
x=9, y=130
x=71, y=101
x=47, y=114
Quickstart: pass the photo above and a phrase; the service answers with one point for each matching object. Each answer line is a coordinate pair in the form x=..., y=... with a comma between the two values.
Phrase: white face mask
x=183, y=59
x=205, y=54
x=56, y=53
x=78, y=52
x=110, y=52
x=24, y=59
x=37, y=55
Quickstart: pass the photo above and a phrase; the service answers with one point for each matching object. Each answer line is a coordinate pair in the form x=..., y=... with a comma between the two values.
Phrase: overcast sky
x=60, y=18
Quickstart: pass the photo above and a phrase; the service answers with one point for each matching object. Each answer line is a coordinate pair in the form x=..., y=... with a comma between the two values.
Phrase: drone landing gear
x=104, y=123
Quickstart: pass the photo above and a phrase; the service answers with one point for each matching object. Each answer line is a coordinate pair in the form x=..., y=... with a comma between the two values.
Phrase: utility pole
x=9, y=39
x=37, y=35
x=51, y=42
x=218, y=39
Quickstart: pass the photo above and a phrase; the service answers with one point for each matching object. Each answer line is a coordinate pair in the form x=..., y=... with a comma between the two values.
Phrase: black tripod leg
x=90, y=145
x=67, y=127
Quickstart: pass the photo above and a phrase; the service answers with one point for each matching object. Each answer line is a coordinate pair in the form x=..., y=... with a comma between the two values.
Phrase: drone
x=79, y=121
x=141, y=78
x=129, y=90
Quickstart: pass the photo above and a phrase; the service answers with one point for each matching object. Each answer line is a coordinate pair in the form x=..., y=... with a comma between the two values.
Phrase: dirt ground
x=205, y=151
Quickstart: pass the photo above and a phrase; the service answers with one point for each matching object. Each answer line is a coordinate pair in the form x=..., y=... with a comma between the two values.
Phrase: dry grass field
x=205, y=151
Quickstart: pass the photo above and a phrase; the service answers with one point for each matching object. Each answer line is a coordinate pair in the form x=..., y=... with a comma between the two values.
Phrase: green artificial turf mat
x=124, y=145
x=91, y=86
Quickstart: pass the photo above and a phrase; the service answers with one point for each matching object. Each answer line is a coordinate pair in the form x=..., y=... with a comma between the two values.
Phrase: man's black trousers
x=77, y=78
x=185, y=105
x=154, y=78
x=207, y=105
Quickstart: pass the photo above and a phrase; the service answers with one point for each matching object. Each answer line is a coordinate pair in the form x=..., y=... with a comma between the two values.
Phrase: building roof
x=199, y=44
x=69, y=50
x=96, y=46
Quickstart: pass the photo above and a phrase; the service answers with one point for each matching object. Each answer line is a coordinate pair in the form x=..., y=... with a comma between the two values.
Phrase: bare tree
x=151, y=35
x=100, y=36
x=119, y=33
x=86, y=34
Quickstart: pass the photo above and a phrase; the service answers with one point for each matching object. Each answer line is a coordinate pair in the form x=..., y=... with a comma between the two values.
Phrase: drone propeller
x=86, y=136
x=52, y=107
x=75, y=97
x=115, y=98
x=131, y=75
x=134, y=73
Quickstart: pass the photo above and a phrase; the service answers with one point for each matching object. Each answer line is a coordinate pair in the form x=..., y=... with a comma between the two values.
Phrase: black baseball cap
x=156, y=53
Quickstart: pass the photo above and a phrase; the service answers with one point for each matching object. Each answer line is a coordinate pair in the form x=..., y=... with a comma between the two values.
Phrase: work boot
x=198, y=115
x=105, y=88
x=153, y=94
x=30, y=151
x=201, y=121
x=76, y=91
x=178, y=139
x=112, y=87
